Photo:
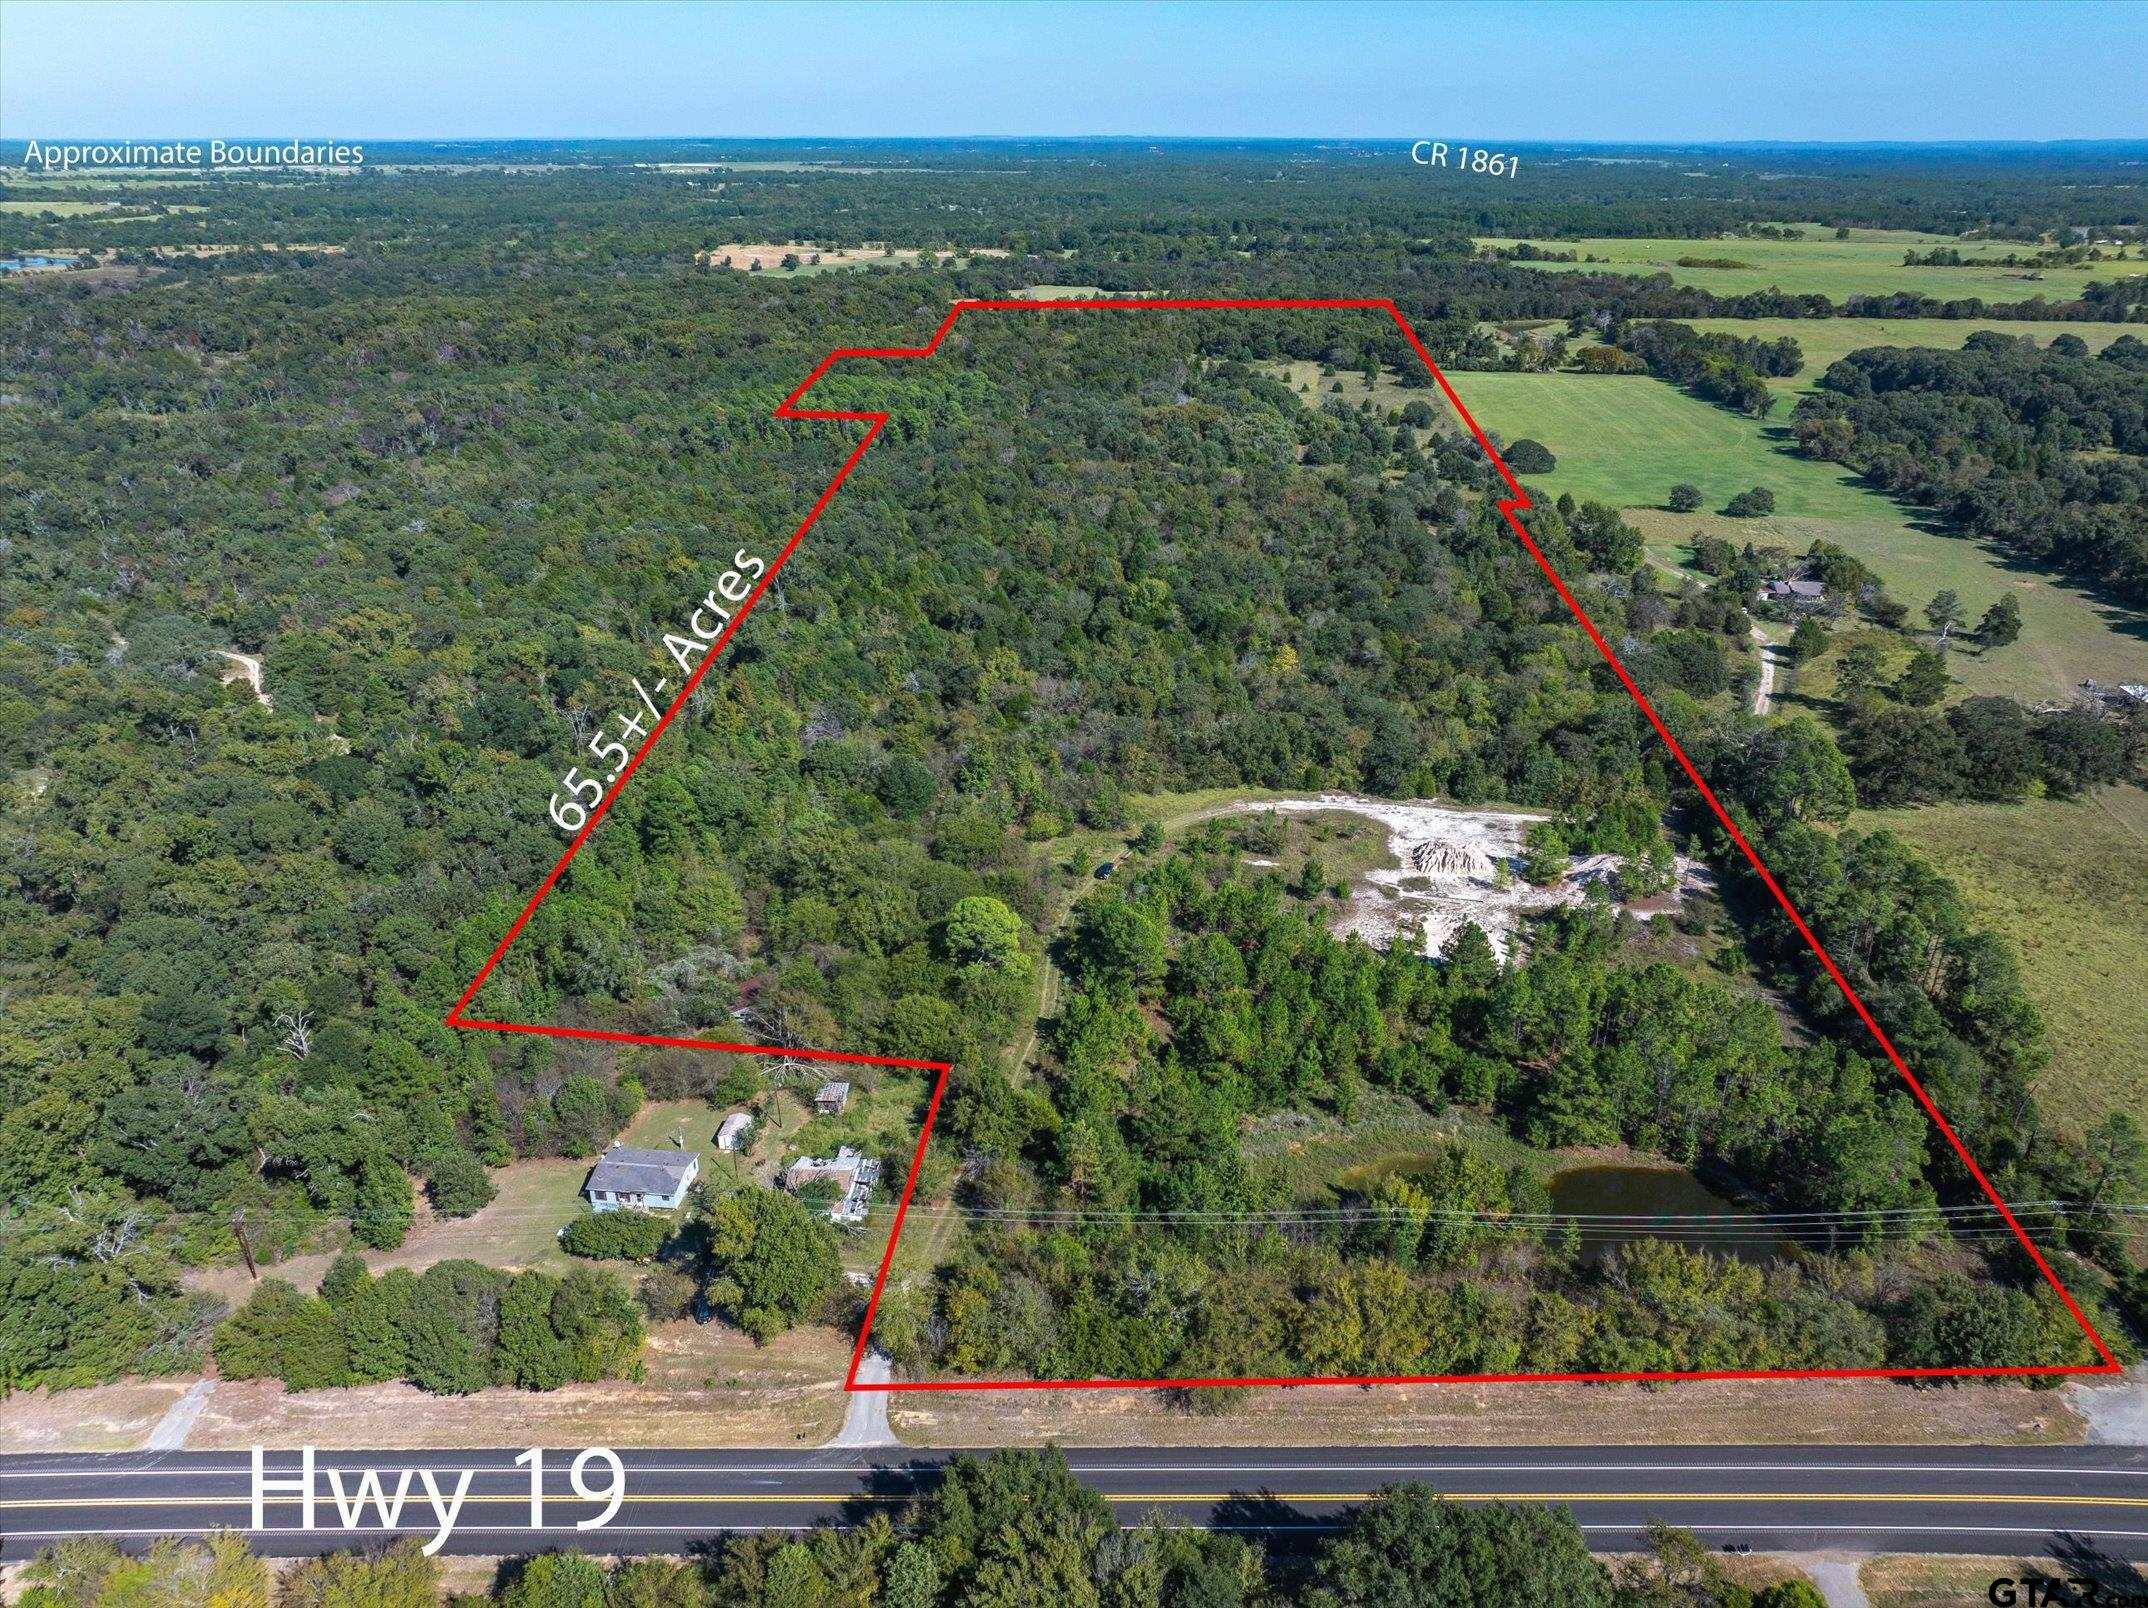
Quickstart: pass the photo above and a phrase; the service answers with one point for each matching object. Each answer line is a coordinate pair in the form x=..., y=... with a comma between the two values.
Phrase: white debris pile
x=1455, y=865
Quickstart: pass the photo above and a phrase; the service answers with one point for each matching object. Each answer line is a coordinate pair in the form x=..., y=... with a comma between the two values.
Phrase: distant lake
x=1658, y=1203
x=22, y=265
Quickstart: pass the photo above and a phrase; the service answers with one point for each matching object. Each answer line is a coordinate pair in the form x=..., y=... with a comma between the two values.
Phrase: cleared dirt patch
x=104, y=1418
x=245, y=667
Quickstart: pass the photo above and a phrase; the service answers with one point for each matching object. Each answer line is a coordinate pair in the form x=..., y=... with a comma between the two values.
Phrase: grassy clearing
x=1825, y=340
x=1385, y=392
x=1346, y=845
x=881, y=1119
x=520, y=1229
x=1172, y=811
x=1626, y=440
x=2068, y=883
x=1869, y=263
x=1306, y=1153
x=660, y=1124
x=1775, y=1412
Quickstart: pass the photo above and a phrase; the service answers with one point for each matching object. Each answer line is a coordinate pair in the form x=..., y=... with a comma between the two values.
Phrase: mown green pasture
x=1626, y=440
x=1869, y=263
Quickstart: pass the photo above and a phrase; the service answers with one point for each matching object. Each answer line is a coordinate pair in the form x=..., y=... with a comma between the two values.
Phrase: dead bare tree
x=297, y=1030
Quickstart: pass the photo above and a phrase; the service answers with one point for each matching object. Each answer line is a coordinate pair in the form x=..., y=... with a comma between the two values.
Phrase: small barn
x=735, y=1131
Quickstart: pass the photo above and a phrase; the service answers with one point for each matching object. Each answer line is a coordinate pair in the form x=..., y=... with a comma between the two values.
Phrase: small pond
x=1658, y=1203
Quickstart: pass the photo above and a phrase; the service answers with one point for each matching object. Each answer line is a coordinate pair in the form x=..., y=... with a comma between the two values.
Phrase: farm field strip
x=1826, y=340
x=1869, y=263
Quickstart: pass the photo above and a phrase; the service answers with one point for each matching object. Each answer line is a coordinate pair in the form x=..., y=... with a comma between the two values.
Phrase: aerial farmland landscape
x=908, y=805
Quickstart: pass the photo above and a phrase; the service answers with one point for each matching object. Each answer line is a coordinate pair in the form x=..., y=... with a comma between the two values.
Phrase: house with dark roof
x=1794, y=591
x=627, y=1179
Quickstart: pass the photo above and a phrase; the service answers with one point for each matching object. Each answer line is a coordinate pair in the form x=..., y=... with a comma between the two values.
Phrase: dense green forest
x=454, y=482
x=1453, y=1269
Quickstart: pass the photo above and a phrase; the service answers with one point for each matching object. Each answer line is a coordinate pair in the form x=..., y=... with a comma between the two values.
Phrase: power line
x=1728, y=1229
x=1667, y=1220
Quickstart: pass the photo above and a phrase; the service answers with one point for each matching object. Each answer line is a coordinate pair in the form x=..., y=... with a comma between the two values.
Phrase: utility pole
x=238, y=1228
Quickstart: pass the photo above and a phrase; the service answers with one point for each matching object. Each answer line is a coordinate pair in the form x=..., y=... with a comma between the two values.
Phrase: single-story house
x=627, y=1179
x=854, y=1175
x=831, y=1099
x=1794, y=591
x=732, y=1135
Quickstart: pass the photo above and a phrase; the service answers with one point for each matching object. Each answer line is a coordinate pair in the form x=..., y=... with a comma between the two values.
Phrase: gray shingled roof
x=623, y=1170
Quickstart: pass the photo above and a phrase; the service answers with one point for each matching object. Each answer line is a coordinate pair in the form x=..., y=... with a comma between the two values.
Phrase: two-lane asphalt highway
x=1996, y=1500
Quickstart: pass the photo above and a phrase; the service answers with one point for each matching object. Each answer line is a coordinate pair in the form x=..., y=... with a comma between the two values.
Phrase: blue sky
x=380, y=69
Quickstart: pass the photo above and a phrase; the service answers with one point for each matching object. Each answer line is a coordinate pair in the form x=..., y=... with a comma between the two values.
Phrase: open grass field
x=62, y=209
x=1825, y=340
x=1627, y=439
x=1869, y=263
x=660, y=1124
x=2068, y=882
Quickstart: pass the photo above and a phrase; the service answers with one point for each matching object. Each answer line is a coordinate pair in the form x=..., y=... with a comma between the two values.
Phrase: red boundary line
x=1510, y=506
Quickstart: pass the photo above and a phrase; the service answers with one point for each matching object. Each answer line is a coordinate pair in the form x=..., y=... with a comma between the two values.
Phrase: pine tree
x=381, y=1207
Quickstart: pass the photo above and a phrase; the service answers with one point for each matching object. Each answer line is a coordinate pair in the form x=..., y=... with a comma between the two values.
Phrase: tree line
x=2038, y=451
